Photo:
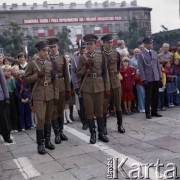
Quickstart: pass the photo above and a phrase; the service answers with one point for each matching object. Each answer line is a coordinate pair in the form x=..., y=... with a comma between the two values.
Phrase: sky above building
x=164, y=12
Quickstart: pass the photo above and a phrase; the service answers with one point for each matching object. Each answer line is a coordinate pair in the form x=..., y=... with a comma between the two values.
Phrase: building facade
x=46, y=20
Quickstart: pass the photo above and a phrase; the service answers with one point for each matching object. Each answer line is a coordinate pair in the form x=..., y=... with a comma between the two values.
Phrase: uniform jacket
x=149, y=67
x=3, y=87
x=74, y=62
x=113, y=64
x=42, y=93
x=101, y=82
x=61, y=70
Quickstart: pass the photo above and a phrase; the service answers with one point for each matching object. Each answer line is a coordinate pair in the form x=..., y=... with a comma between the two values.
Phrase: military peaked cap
x=52, y=41
x=107, y=37
x=90, y=37
x=147, y=40
x=42, y=45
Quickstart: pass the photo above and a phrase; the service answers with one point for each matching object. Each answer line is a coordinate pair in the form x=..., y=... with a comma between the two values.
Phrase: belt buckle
x=94, y=75
x=45, y=83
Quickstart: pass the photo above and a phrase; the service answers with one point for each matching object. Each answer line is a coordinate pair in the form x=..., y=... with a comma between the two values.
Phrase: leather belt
x=45, y=83
x=94, y=75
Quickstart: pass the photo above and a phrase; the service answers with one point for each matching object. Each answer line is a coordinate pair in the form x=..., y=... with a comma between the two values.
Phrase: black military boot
x=40, y=142
x=47, y=136
x=101, y=135
x=119, y=122
x=83, y=119
x=92, y=131
x=56, y=129
x=61, y=124
x=71, y=113
x=105, y=123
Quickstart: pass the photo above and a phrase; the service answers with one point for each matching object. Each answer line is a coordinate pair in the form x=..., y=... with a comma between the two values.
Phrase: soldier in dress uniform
x=61, y=72
x=92, y=68
x=150, y=72
x=39, y=74
x=113, y=64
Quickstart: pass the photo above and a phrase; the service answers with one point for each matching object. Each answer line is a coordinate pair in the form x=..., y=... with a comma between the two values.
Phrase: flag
x=41, y=32
x=50, y=32
x=105, y=29
x=97, y=30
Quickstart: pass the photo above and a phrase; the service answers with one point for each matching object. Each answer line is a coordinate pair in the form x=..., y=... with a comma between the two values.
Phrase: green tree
x=133, y=35
x=11, y=40
x=171, y=37
x=64, y=41
x=31, y=45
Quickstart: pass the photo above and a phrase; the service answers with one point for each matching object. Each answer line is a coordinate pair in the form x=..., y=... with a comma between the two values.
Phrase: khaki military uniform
x=63, y=84
x=113, y=63
x=96, y=82
x=44, y=93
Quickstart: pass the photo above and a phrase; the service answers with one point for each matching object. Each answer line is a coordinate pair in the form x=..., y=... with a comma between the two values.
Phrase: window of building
x=25, y=32
x=91, y=27
x=101, y=28
x=126, y=27
x=45, y=31
x=110, y=27
x=56, y=30
x=35, y=31
x=117, y=26
x=84, y=29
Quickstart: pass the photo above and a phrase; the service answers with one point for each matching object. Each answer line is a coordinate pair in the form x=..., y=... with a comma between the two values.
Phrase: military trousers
x=115, y=98
x=44, y=111
x=93, y=103
x=58, y=109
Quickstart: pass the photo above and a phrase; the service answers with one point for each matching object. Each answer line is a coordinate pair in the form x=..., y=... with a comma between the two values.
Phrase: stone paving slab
x=90, y=171
x=77, y=161
x=57, y=176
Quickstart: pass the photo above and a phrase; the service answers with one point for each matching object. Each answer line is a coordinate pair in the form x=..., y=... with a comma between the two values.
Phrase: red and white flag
x=97, y=30
x=41, y=32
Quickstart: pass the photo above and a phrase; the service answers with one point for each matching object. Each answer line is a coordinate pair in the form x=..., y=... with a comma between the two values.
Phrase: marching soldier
x=61, y=71
x=92, y=68
x=39, y=74
x=113, y=64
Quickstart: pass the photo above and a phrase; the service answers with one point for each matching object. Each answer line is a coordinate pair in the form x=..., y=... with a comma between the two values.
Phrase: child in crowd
x=140, y=92
x=12, y=113
x=170, y=83
x=162, y=87
x=23, y=97
x=127, y=73
x=176, y=72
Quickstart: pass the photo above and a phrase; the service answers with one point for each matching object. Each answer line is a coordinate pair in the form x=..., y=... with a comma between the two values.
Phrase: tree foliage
x=171, y=37
x=133, y=35
x=11, y=40
x=64, y=41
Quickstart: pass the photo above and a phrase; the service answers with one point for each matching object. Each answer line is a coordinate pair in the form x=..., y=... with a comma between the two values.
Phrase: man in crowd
x=76, y=81
x=150, y=73
x=95, y=85
x=61, y=72
x=39, y=74
x=113, y=65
